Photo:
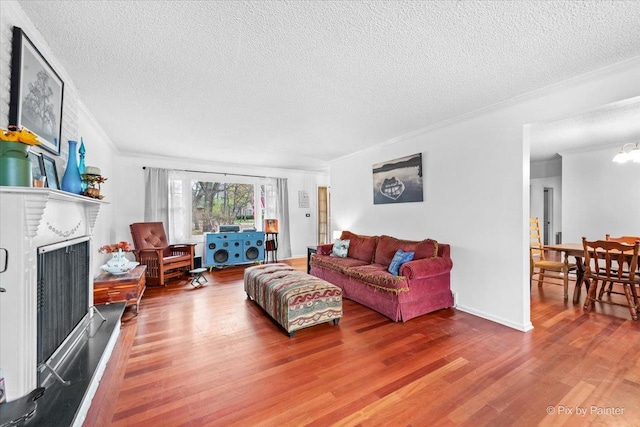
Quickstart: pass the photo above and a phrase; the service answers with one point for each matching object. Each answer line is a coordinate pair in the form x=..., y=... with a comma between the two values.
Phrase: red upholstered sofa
x=422, y=286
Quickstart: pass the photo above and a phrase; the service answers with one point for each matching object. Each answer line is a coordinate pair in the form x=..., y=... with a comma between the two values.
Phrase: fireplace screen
x=63, y=294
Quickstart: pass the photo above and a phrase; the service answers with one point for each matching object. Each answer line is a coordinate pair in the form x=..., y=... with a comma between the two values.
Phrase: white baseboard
x=523, y=327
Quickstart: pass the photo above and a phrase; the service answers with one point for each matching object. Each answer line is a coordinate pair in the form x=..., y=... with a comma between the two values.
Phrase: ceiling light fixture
x=625, y=155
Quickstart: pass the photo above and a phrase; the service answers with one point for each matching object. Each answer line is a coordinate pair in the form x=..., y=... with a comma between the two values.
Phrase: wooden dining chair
x=629, y=240
x=613, y=262
x=549, y=269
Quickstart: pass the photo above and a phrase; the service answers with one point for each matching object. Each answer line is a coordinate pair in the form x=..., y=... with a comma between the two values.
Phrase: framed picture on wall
x=50, y=172
x=37, y=169
x=36, y=93
x=398, y=180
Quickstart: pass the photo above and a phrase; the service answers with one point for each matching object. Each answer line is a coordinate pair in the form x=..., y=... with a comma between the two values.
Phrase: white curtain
x=179, y=206
x=156, y=195
x=282, y=213
x=165, y=202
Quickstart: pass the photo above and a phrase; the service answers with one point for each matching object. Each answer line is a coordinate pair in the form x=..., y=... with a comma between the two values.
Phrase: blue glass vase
x=72, y=181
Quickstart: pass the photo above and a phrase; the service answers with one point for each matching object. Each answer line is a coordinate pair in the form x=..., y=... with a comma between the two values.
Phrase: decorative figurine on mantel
x=81, y=166
x=92, y=178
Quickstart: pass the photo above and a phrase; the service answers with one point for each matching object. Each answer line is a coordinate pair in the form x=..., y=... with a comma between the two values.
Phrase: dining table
x=575, y=250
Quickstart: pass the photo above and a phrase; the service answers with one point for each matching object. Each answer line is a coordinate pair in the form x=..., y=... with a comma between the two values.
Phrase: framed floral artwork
x=36, y=93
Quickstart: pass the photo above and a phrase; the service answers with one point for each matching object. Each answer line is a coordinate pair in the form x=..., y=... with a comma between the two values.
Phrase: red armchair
x=163, y=261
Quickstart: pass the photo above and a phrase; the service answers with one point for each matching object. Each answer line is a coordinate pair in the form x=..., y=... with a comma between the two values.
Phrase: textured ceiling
x=615, y=123
x=297, y=84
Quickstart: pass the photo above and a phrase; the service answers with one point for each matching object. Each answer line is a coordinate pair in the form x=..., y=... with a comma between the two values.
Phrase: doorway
x=547, y=219
x=324, y=216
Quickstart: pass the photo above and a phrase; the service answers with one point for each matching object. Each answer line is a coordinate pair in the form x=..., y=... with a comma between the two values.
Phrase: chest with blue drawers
x=224, y=249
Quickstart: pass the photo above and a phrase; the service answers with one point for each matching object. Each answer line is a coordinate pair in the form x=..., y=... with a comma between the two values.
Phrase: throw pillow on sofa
x=340, y=248
x=387, y=247
x=360, y=247
x=398, y=259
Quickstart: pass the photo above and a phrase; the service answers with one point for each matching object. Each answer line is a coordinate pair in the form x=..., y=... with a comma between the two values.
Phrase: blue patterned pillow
x=340, y=248
x=398, y=259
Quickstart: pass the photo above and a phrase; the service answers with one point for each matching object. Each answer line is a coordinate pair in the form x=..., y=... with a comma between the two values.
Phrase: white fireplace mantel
x=36, y=199
x=30, y=218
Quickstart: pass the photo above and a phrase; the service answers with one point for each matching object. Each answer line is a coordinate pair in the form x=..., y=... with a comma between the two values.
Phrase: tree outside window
x=222, y=203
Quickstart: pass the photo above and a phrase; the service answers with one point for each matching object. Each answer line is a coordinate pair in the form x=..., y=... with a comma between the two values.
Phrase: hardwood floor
x=210, y=356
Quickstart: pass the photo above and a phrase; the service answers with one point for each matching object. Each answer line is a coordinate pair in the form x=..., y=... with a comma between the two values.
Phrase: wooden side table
x=128, y=287
x=310, y=250
x=271, y=247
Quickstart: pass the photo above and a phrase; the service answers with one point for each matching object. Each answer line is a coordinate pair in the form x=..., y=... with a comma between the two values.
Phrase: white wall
x=101, y=153
x=599, y=196
x=476, y=184
x=546, y=168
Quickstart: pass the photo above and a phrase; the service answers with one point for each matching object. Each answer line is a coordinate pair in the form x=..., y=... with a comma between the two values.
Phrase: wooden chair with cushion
x=163, y=261
x=546, y=268
x=612, y=262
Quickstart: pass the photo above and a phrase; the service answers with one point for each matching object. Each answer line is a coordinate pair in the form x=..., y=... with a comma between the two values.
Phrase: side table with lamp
x=271, y=240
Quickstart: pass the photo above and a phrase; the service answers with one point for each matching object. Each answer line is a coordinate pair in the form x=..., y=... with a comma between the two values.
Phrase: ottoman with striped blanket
x=291, y=297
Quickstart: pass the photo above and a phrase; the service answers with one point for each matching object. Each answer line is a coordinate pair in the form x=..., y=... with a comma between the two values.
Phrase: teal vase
x=71, y=180
x=82, y=166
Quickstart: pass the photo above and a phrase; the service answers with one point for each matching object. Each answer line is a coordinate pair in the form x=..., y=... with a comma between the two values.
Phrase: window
x=218, y=203
x=200, y=203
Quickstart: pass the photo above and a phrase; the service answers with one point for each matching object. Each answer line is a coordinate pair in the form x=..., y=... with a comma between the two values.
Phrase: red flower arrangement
x=123, y=246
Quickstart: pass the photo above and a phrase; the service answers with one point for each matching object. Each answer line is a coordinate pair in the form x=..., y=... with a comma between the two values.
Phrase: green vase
x=15, y=166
